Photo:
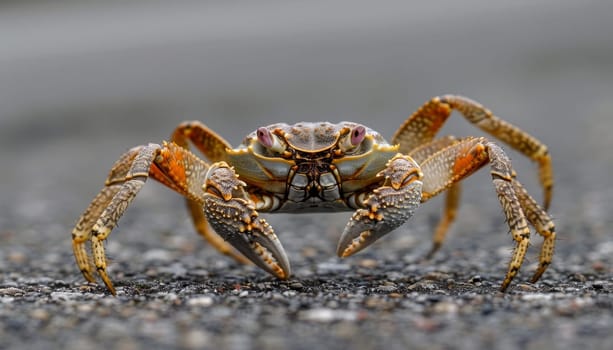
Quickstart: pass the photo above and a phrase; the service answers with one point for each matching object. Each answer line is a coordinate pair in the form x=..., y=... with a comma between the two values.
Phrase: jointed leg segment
x=222, y=201
x=127, y=177
x=459, y=159
x=444, y=169
x=423, y=125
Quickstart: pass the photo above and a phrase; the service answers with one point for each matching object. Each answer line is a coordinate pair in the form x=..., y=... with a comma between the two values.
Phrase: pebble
x=196, y=339
x=525, y=287
x=368, y=263
x=203, y=301
x=65, y=296
x=40, y=314
x=11, y=291
x=328, y=315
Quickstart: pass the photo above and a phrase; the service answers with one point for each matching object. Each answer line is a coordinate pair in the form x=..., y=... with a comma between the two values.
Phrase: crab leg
x=385, y=208
x=126, y=179
x=452, y=196
x=82, y=231
x=423, y=125
x=539, y=218
x=450, y=165
x=183, y=172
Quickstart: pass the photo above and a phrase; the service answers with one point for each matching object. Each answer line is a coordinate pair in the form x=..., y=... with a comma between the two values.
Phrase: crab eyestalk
x=353, y=139
x=269, y=140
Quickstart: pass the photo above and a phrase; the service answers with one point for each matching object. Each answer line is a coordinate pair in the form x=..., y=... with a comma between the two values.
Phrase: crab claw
x=231, y=213
x=386, y=207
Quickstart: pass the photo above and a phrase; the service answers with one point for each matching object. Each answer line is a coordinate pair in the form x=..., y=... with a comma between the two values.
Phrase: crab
x=324, y=167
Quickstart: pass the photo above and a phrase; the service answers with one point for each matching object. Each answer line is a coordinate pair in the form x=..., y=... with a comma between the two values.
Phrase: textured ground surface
x=70, y=103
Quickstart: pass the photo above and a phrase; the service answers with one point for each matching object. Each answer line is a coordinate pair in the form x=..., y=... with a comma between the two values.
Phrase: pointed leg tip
x=107, y=281
x=432, y=252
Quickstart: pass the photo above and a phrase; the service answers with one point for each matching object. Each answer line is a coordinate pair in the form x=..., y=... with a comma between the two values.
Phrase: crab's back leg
x=452, y=196
x=82, y=230
x=127, y=177
x=450, y=165
x=206, y=140
x=214, y=148
x=422, y=126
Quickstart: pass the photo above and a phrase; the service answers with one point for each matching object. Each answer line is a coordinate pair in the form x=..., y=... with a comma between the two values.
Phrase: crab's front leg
x=385, y=208
x=231, y=213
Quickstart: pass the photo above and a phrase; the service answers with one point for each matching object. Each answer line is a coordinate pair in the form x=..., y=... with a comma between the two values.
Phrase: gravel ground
x=70, y=103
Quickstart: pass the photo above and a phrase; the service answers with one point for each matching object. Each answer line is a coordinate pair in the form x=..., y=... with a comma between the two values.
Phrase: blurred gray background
x=83, y=81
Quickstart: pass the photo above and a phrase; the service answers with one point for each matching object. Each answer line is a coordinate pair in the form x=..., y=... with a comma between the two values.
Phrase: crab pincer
x=386, y=207
x=232, y=214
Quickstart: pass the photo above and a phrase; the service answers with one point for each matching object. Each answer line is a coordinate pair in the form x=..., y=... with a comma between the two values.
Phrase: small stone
x=445, y=307
x=387, y=288
x=40, y=314
x=65, y=296
x=437, y=276
x=325, y=315
x=578, y=277
x=475, y=279
x=525, y=287
x=426, y=324
x=196, y=339
x=423, y=284
x=203, y=301
x=369, y=263
x=289, y=293
x=11, y=291
x=296, y=285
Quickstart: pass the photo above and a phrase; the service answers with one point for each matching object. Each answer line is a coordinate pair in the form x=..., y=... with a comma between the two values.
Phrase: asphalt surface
x=82, y=83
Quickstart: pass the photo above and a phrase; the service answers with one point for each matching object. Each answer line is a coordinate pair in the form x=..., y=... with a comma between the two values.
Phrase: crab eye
x=269, y=140
x=357, y=135
x=353, y=139
x=265, y=137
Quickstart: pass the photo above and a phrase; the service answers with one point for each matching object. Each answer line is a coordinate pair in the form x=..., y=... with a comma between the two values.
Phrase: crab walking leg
x=214, y=148
x=206, y=140
x=133, y=182
x=543, y=224
x=231, y=213
x=385, y=208
x=82, y=230
x=422, y=126
x=450, y=165
x=452, y=202
x=452, y=196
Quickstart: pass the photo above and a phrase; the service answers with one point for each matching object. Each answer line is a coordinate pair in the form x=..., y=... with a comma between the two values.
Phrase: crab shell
x=270, y=168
